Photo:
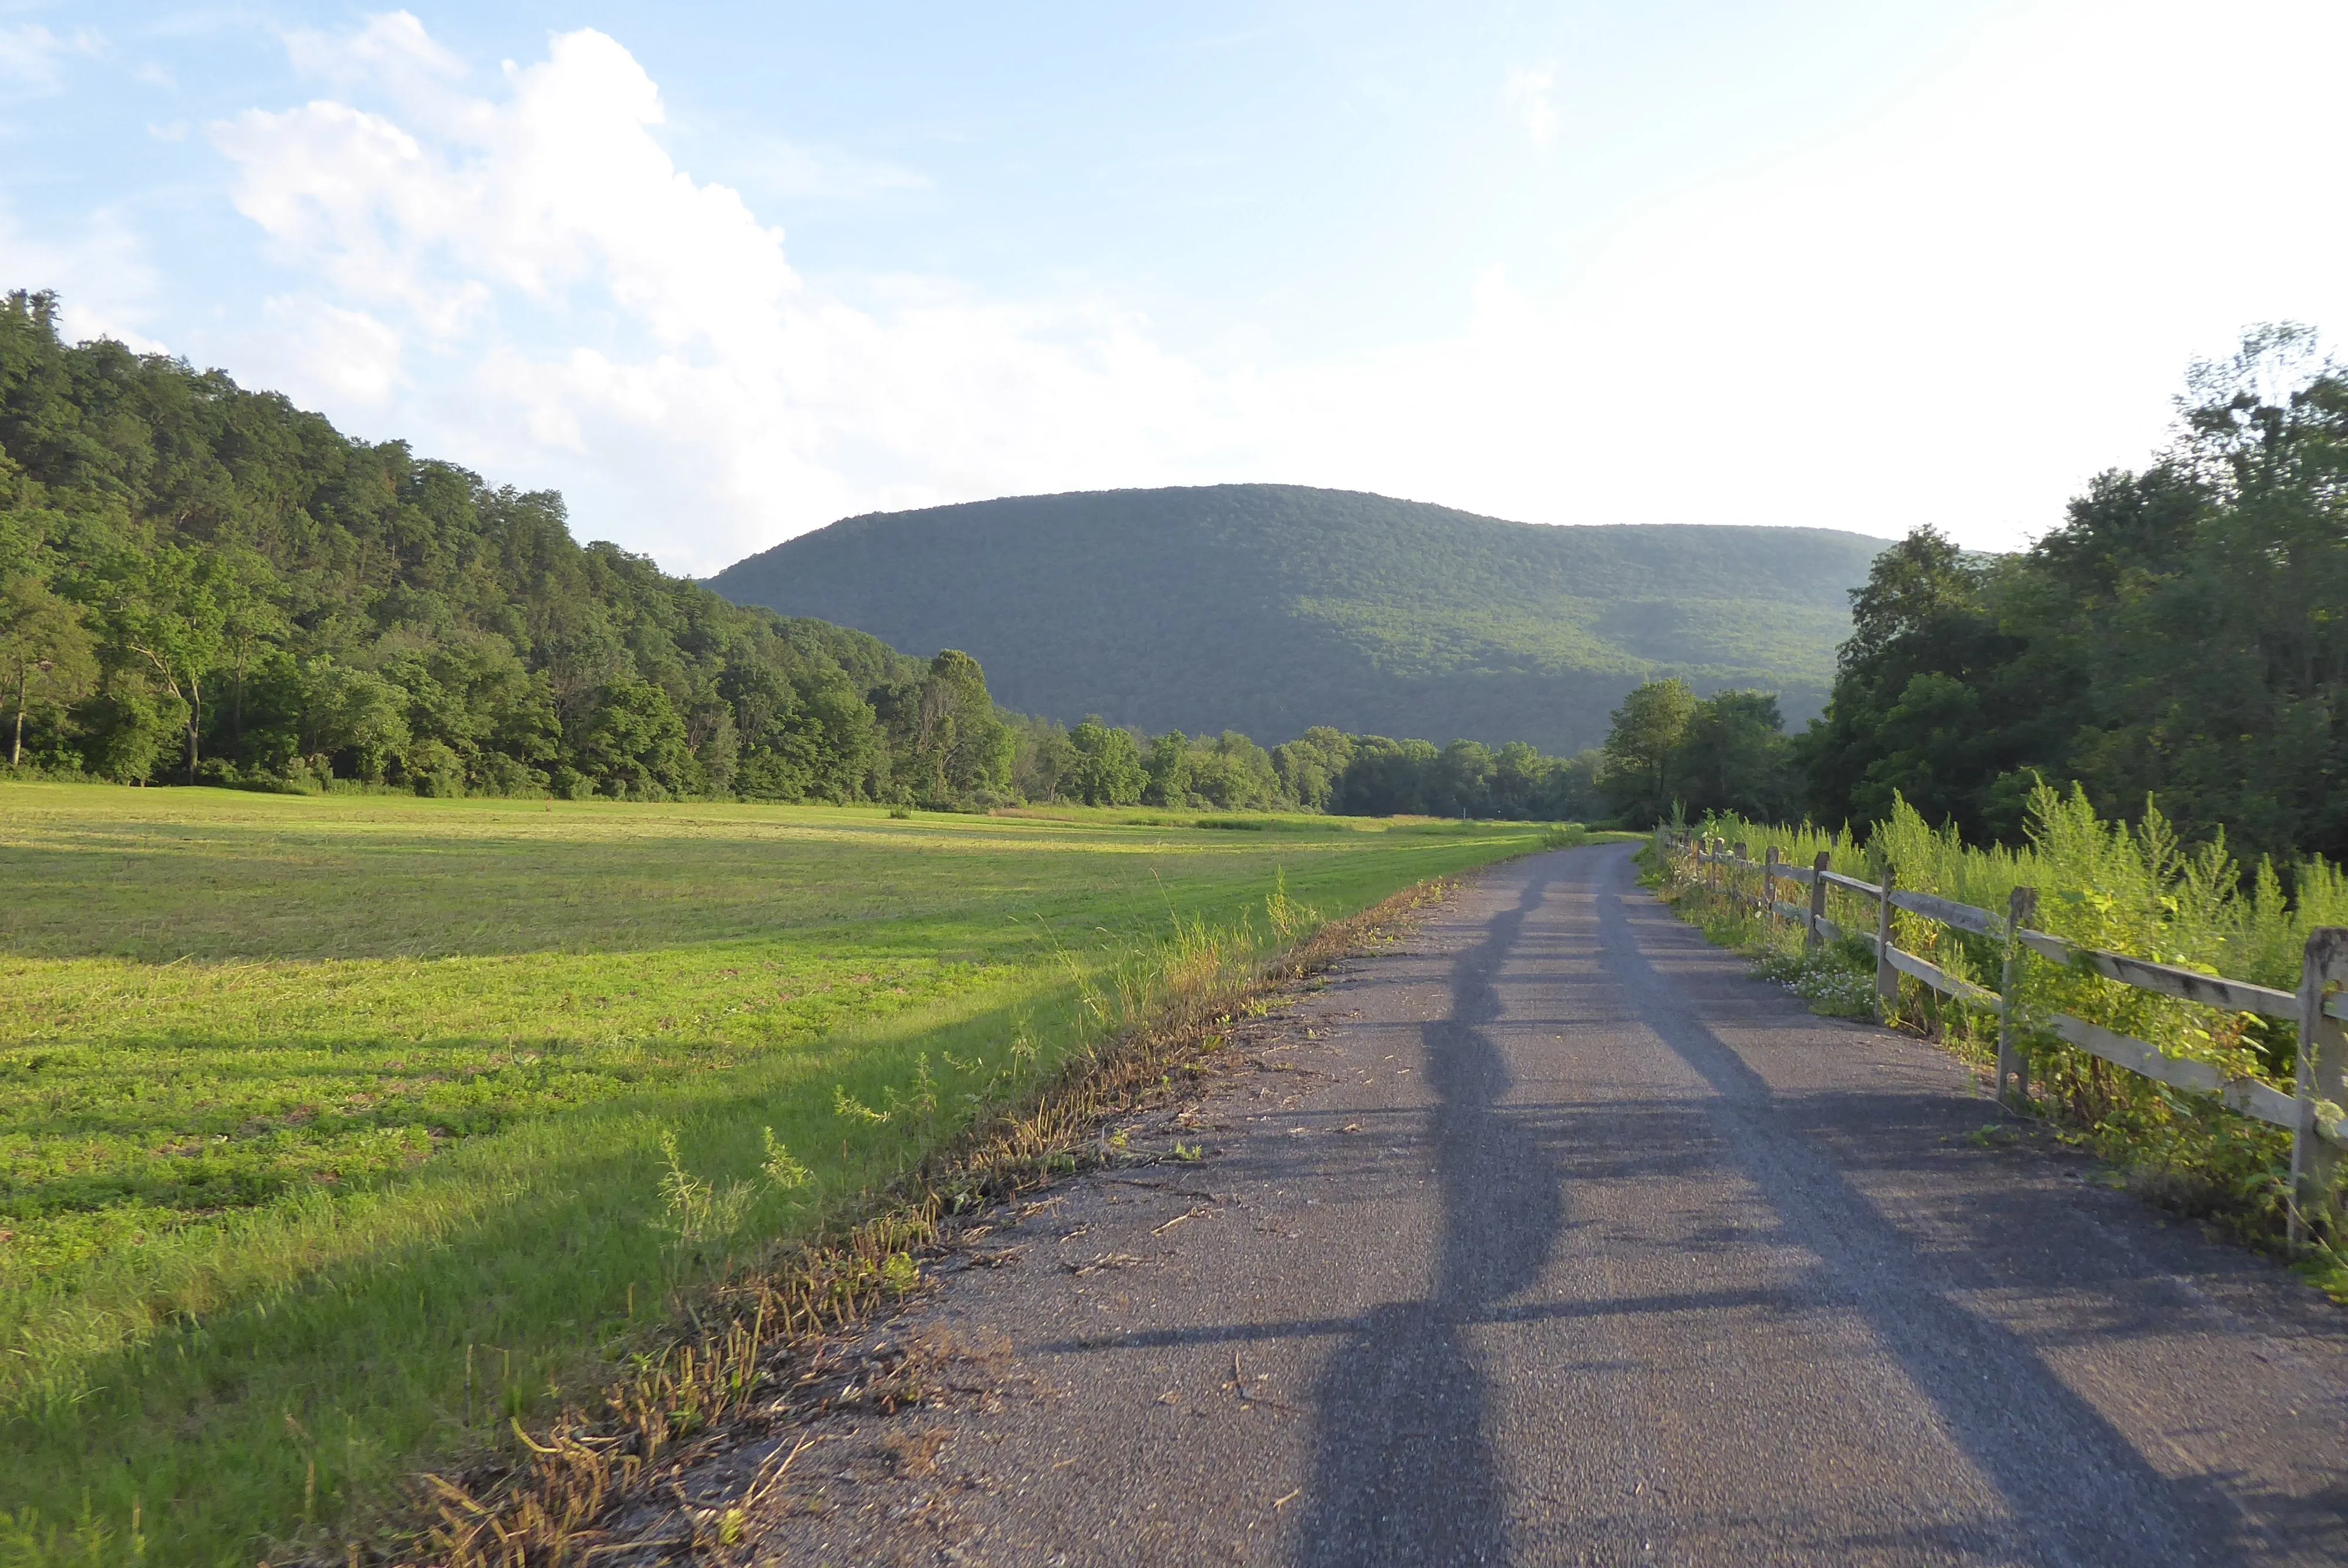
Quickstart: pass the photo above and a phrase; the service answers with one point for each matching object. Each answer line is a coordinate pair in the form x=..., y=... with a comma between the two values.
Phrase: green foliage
x=1311, y=767
x=1273, y=608
x=1670, y=752
x=786, y=1174
x=948, y=743
x=2132, y=889
x=1733, y=757
x=1226, y=772
x=1104, y=768
x=199, y=583
x=2181, y=636
x=45, y=652
x=1370, y=776
x=699, y=1213
x=631, y=741
x=1645, y=735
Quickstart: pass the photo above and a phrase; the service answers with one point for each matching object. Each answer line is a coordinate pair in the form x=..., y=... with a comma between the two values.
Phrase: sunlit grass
x=330, y=1127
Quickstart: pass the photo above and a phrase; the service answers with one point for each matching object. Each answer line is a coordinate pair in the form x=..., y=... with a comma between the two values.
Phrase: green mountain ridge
x=1270, y=607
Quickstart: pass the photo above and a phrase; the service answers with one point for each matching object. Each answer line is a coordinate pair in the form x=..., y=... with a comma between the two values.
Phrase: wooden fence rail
x=2320, y=1007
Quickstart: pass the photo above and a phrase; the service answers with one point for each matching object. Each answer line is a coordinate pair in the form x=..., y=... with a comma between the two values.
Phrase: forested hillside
x=1270, y=608
x=198, y=582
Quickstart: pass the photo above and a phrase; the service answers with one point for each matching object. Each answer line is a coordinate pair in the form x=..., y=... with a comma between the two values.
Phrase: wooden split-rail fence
x=2318, y=1007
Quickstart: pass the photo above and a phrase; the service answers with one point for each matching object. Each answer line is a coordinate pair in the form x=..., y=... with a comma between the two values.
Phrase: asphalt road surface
x=1550, y=1237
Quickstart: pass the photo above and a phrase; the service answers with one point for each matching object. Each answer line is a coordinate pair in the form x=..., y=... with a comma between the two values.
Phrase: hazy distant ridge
x=1267, y=608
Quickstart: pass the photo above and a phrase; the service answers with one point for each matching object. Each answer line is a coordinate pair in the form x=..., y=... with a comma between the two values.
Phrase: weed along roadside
x=350, y=1138
x=545, y=1501
x=2092, y=976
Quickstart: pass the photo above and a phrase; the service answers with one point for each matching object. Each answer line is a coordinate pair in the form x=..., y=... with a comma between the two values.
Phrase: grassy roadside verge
x=543, y=1501
x=640, y=1052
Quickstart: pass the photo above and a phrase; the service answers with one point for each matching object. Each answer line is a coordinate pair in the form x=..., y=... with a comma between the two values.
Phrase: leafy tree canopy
x=2183, y=635
x=1672, y=752
x=202, y=582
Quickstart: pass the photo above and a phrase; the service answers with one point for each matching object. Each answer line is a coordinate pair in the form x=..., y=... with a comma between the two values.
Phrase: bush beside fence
x=2129, y=975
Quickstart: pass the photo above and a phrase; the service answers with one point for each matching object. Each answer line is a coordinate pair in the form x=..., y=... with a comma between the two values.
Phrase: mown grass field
x=331, y=1127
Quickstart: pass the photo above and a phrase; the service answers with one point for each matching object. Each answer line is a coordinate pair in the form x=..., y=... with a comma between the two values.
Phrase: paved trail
x=1560, y=1241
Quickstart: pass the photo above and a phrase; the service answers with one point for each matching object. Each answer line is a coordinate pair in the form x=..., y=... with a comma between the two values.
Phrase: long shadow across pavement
x=1404, y=1470
x=1405, y=1466
x=2077, y=1489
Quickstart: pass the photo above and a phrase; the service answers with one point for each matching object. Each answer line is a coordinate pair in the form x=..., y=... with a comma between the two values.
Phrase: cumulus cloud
x=558, y=297
x=351, y=358
x=390, y=51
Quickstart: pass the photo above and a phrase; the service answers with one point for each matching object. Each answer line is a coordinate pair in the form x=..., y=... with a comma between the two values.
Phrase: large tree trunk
x=16, y=745
x=195, y=717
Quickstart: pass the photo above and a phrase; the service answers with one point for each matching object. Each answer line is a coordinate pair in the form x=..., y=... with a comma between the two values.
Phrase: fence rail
x=2318, y=1126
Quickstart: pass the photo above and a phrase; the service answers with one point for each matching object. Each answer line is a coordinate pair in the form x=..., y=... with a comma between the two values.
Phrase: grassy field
x=331, y=1129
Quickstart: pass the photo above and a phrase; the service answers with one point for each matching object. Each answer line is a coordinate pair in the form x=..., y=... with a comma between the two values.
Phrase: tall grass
x=2130, y=888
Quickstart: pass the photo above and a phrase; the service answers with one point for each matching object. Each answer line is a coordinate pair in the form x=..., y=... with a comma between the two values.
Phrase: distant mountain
x=1268, y=608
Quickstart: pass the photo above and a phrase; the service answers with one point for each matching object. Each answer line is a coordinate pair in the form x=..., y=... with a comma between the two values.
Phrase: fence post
x=1887, y=979
x=1769, y=892
x=1736, y=870
x=2323, y=1077
x=2013, y=1067
x=1818, y=897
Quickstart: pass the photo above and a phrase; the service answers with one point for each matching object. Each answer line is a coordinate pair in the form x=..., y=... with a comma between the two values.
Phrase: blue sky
x=723, y=273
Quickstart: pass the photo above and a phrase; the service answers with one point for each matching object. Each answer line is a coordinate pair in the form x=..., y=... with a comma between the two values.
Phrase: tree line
x=1321, y=771
x=199, y=583
x=2182, y=637
x=202, y=584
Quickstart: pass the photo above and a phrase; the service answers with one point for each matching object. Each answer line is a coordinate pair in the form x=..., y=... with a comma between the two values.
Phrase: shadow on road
x=2075, y=1489
x=1405, y=1471
x=1406, y=1462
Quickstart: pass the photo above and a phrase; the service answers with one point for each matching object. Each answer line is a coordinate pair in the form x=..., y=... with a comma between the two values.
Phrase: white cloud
x=33, y=56
x=789, y=170
x=348, y=358
x=1955, y=313
x=543, y=290
x=391, y=50
x=1525, y=94
x=101, y=276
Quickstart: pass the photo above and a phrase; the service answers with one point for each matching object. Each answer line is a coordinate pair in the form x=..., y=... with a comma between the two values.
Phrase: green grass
x=331, y=1127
